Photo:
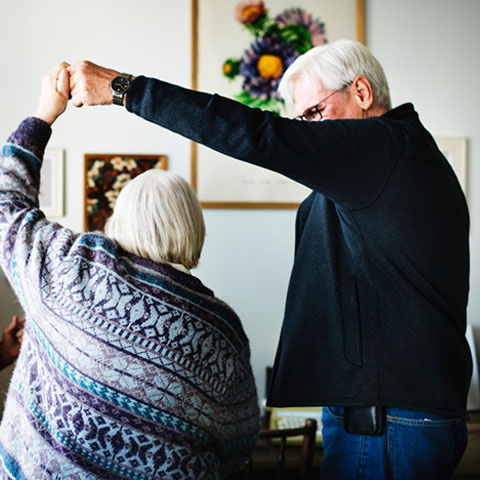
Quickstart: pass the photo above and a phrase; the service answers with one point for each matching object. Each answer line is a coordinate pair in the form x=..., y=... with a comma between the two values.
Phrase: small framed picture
x=455, y=151
x=105, y=176
x=52, y=183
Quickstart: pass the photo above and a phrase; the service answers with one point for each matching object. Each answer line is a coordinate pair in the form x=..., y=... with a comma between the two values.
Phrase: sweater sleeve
x=28, y=241
x=346, y=160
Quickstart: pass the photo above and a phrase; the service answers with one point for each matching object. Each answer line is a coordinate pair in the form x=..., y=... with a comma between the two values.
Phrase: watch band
x=119, y=86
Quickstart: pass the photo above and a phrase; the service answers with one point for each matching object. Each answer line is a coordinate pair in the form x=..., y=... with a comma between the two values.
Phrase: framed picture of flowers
x=105, y=176
x=241, y=50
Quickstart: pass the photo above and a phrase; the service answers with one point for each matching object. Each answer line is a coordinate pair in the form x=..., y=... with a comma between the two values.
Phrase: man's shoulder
x=404, y=113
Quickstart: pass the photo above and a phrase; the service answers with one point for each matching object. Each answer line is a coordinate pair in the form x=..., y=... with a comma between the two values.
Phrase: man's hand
x=11, y=340
x=54, y=94
x=90, y=84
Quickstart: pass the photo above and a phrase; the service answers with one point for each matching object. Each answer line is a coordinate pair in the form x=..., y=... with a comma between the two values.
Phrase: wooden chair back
x=308, y=431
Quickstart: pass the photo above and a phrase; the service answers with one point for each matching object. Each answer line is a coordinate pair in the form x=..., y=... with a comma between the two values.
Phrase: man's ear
x=362, y=91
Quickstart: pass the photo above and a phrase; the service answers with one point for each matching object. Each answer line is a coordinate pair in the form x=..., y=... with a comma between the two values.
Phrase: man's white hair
x=334, y=66
x=158, y=216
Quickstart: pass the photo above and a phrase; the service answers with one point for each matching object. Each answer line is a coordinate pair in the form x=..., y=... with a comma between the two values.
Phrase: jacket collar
x=405, y=112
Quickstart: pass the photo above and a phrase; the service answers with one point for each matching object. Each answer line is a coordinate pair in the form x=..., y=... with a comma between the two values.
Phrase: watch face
x=120, y=84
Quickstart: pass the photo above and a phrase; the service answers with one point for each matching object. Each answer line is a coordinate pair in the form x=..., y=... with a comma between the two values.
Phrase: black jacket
x=376, y=306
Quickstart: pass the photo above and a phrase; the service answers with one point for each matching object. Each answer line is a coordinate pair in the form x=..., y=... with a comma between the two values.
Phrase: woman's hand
x=54, y=94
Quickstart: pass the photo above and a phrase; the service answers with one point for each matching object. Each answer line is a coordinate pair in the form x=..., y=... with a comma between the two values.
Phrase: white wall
x=428, y=49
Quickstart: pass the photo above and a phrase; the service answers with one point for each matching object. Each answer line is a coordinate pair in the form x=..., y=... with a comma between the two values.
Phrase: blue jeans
x=414, y=446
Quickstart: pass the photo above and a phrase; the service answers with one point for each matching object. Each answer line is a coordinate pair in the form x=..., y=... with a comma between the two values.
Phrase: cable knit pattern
x=128, y=368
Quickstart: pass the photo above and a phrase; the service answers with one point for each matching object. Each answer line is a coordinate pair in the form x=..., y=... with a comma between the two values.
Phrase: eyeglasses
x=314, y=114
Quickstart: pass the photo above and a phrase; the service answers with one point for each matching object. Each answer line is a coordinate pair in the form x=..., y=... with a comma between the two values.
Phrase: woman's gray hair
x=158, y=216
x=334, y=66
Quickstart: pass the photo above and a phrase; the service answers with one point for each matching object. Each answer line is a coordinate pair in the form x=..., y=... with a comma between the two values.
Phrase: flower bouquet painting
x=105, y=176
x=278, y=41
x=241, y=50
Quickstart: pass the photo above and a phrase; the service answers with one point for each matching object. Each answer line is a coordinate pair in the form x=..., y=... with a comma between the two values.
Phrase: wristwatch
x=119, y=86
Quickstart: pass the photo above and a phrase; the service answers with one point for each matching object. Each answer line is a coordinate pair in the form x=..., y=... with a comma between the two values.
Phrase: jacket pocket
x=352, y=332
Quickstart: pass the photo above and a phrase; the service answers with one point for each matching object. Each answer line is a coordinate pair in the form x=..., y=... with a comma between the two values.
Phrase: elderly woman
x=130, y=367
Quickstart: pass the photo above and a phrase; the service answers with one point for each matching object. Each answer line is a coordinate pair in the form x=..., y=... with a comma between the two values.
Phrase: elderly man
x=375, y=313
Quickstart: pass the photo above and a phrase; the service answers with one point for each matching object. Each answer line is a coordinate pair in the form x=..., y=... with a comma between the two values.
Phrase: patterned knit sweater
x=128, y=368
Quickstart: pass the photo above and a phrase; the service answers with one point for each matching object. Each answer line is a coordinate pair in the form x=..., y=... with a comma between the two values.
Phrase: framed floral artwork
x=52, y=183
x=240, y=49
x=105, y=176
x=455, y=151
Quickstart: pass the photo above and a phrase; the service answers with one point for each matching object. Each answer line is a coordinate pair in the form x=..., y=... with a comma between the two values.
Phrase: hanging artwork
x=105, y=176
x=52, y=183
x=241, y=50
x=455, y=151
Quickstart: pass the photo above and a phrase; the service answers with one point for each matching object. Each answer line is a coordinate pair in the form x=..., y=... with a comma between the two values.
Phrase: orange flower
x=270, y=66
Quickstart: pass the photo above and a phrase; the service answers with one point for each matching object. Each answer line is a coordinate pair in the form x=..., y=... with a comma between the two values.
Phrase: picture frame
x=51, y=196
x=455, y=151
x=220, y=181
x=105, y=176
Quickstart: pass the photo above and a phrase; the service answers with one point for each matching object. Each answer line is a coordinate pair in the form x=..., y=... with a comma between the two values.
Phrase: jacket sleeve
x=346, y=160
x=29, y=243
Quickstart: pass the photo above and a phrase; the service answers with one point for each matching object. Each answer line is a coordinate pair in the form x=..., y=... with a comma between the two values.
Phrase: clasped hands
x=84, y=83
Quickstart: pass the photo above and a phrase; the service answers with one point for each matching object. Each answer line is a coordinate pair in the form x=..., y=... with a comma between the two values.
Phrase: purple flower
x=263, y=65
x=298, y=16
